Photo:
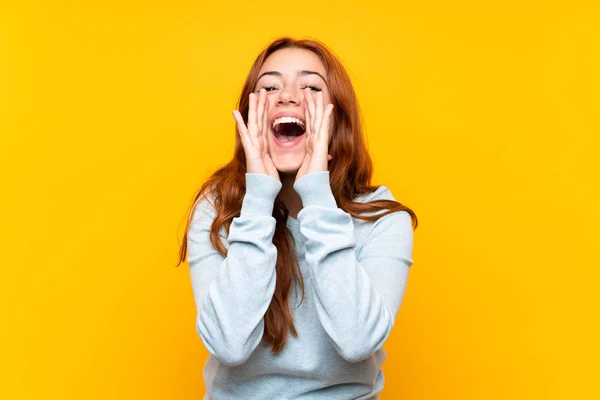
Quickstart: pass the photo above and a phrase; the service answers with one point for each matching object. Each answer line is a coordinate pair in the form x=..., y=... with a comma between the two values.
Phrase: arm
x=357, y=295
x=233, y=293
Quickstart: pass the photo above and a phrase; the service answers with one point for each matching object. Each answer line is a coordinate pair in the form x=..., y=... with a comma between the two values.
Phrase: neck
x=290, y=198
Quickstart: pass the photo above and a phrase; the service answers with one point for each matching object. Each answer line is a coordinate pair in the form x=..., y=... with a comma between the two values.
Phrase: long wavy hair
x=350, y=173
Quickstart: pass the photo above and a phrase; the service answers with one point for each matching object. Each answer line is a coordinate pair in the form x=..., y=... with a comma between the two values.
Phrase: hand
x=317, y=134
x=254, y=136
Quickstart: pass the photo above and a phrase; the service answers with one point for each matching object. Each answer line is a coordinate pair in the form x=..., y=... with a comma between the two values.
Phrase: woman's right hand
x=254, y=136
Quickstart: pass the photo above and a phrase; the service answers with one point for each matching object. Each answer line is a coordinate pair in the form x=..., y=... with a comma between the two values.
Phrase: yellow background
x=482, y=116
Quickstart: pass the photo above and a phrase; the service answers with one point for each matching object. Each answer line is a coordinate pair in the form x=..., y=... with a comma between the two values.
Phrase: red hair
x=350, y=173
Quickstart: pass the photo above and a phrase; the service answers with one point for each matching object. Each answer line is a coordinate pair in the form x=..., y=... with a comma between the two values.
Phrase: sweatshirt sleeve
x=233, y=293
x=358, y=293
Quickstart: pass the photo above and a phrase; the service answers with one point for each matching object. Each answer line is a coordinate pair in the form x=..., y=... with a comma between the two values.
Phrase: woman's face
x=285, y=75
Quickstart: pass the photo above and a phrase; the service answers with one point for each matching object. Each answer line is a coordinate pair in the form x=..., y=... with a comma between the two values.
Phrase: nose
x=288, y=95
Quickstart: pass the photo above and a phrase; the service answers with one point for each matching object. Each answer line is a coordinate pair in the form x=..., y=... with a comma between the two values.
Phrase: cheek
x=270, y=109
x=270, y=104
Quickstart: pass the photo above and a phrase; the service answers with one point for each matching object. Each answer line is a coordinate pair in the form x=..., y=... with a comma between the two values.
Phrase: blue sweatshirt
x=355, y=274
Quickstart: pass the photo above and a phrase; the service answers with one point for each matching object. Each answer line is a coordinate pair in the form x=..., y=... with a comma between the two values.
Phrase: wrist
x=314, y=189
x=261, y=191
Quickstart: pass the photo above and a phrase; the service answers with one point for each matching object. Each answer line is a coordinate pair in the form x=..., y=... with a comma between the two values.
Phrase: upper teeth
x=288, y=120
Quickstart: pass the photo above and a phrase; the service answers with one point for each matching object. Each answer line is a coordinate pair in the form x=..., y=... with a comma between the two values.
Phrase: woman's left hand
x=317, y=134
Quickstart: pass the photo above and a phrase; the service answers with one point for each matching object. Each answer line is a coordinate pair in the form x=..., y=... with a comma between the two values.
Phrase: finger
x=260, y=110
x=307, y=124
x=310, y=105
x=241, y=126
x=266, y=127
x=318, y=113
x=310, y=135
x=326, y=121
x=240, y=122
x=252, y=114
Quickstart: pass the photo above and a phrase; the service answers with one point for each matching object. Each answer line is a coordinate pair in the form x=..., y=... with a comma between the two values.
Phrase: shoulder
x=203, y=214
x=381, y=193
x=384, y=193
x=393, y=226
x=203, y=210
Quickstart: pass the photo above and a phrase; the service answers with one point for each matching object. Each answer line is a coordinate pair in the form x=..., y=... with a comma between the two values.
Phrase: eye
x=313, y=87
x=267, y=88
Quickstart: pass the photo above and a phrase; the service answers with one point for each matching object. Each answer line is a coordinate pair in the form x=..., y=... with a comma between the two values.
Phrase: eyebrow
x=301, y=72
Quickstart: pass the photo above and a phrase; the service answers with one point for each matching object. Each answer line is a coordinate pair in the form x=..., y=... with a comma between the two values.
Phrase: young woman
x=298, y=265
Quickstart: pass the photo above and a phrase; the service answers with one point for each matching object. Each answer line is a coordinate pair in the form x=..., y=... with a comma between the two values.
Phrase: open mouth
x=288, y=130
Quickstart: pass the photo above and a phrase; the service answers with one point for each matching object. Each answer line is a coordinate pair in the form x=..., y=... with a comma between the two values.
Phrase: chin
x=288, y=163
x=287, y=169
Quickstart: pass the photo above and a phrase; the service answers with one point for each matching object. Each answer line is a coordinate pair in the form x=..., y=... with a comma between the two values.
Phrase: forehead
x=289, y=61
